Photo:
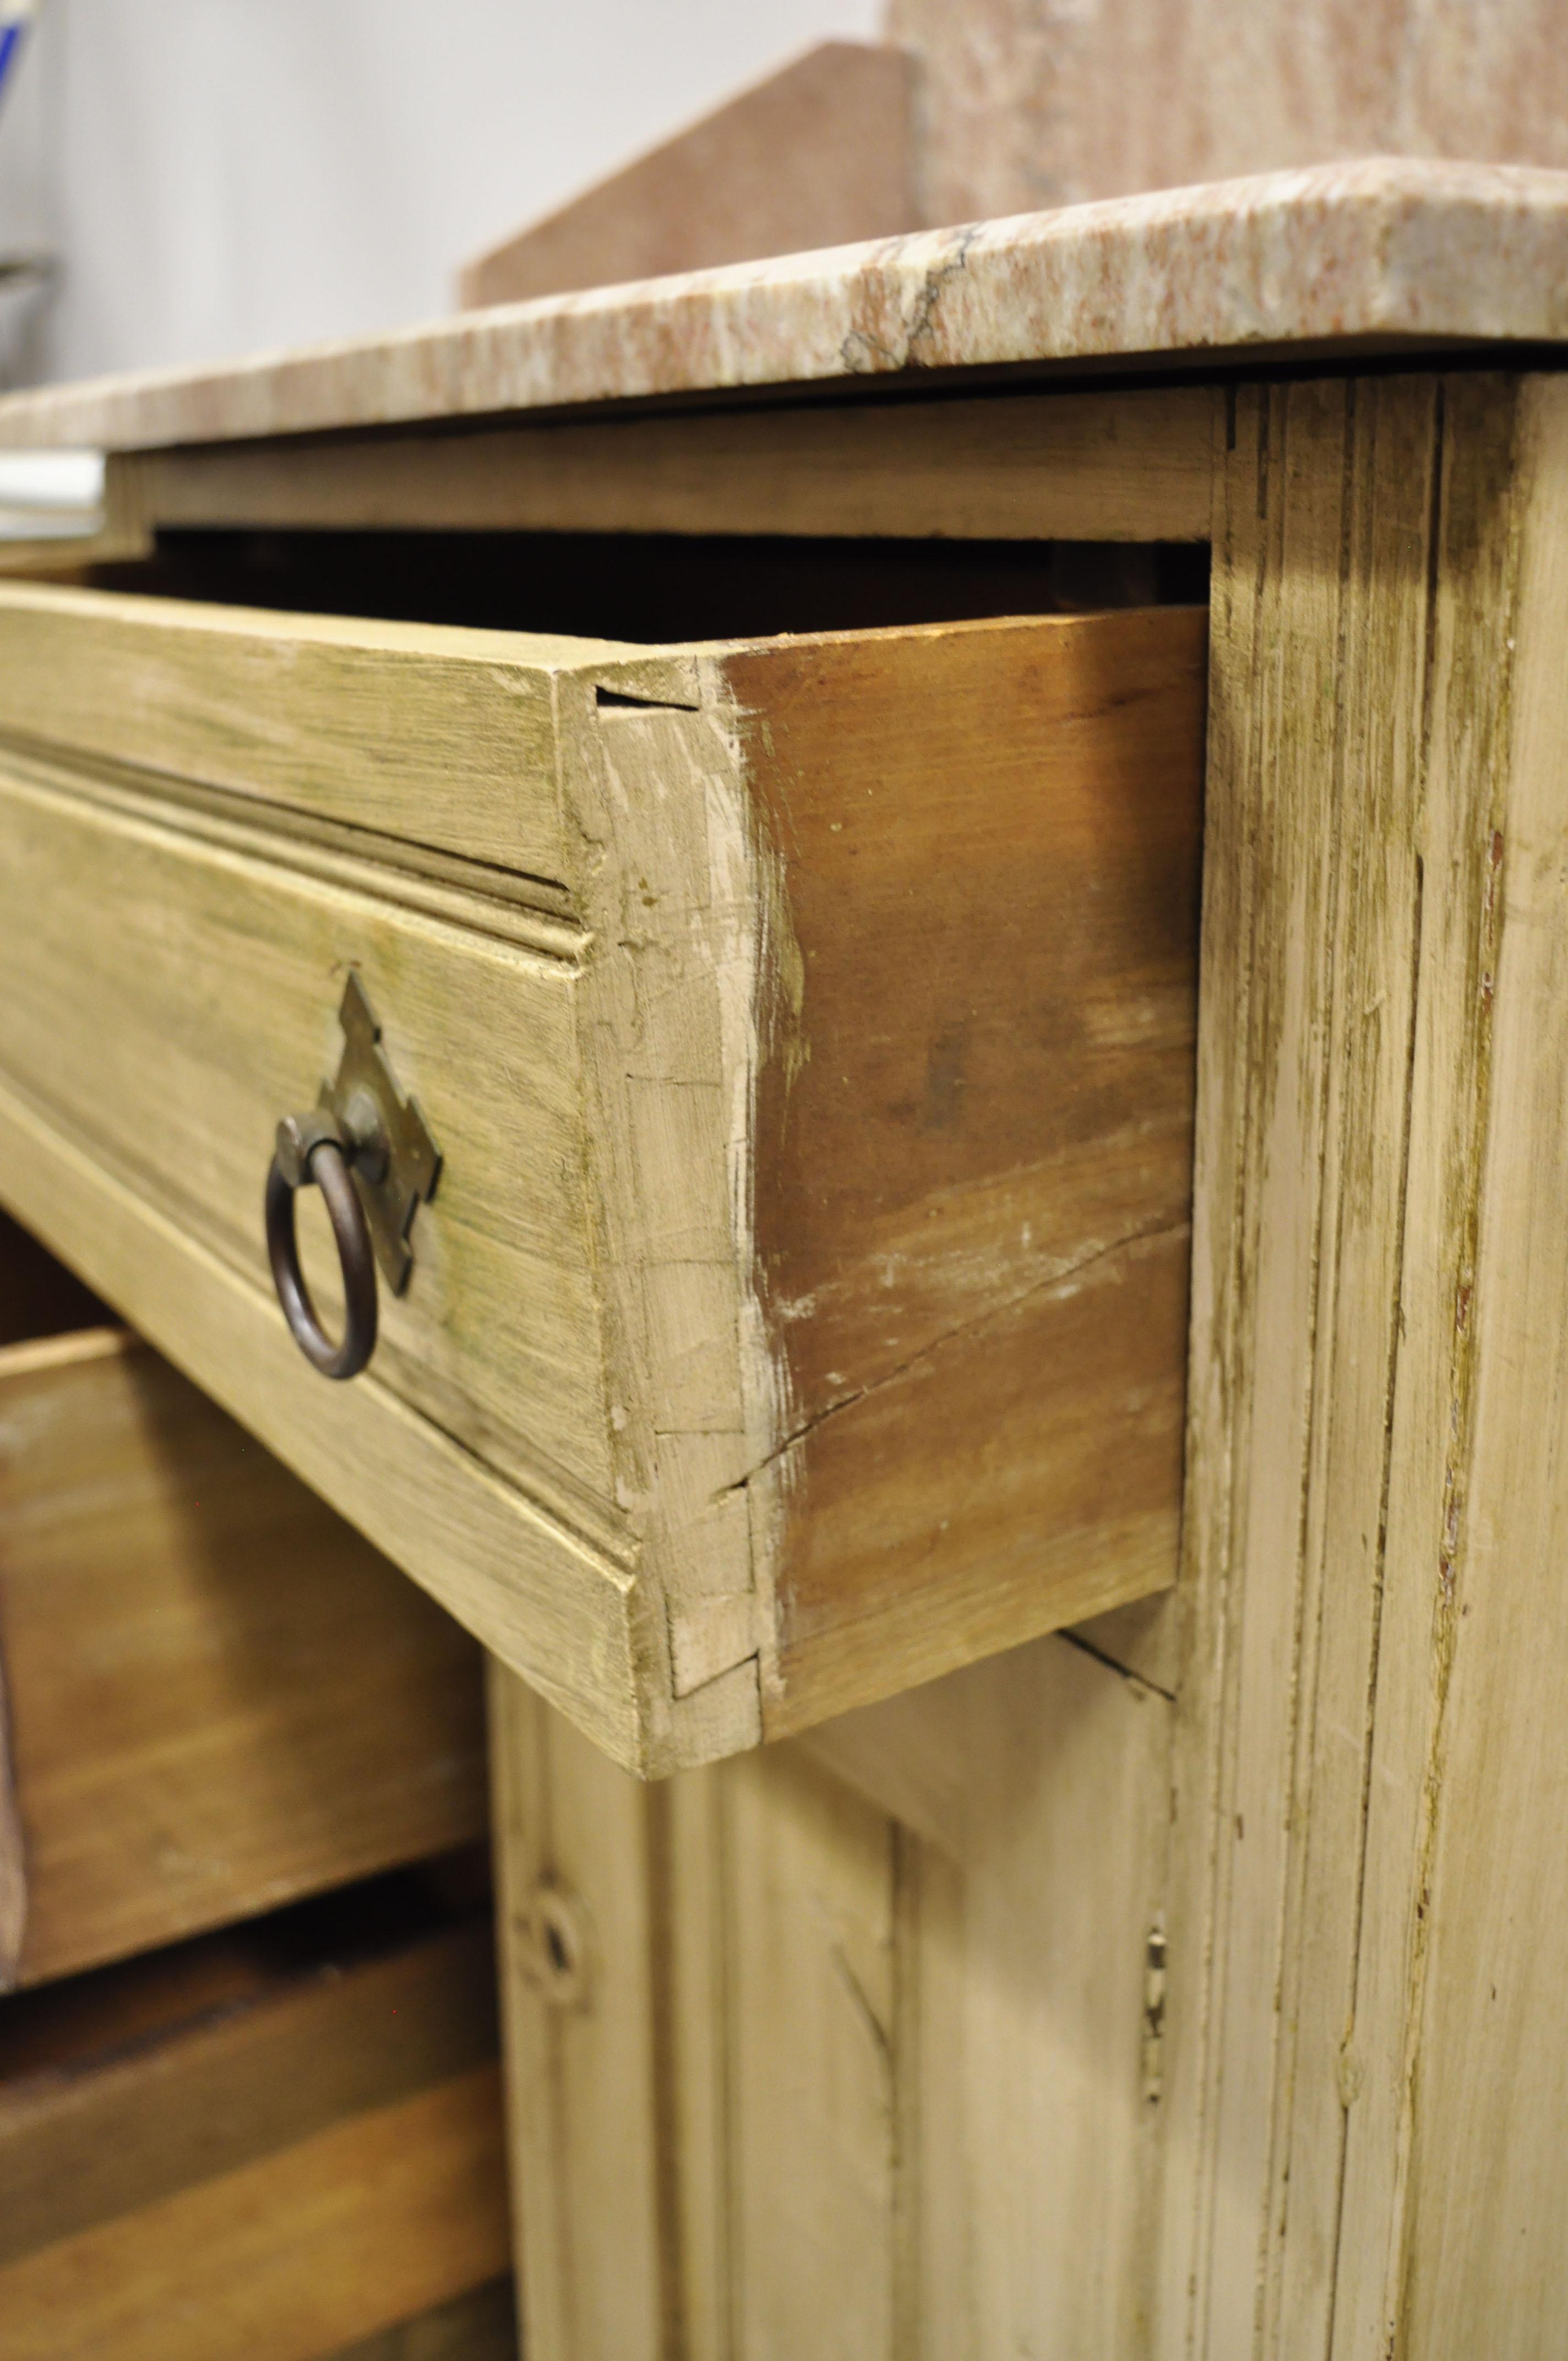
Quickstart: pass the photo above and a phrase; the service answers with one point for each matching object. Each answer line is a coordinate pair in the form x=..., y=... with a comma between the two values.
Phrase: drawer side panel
x=973, y=1115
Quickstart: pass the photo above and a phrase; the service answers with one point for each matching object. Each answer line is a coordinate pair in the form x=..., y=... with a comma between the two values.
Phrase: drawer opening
x=39, y=1297
x=655, y=589
x=296, y=2124
x=82, y=2022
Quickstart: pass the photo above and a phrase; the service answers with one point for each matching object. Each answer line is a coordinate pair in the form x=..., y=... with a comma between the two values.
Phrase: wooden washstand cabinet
x=914, y=899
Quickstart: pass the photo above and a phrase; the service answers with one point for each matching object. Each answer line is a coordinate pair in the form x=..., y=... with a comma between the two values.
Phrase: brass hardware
x=367, y=1149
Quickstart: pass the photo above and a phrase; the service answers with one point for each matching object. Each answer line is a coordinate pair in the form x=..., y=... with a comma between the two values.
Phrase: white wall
x=217, y=176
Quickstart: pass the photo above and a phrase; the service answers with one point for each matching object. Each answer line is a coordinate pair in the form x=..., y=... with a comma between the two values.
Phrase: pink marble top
x=1381, y=249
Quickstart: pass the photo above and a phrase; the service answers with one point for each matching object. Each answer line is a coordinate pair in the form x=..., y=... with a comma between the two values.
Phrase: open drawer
x=805, y=1030
x=213, y=1695
x=282, y=2141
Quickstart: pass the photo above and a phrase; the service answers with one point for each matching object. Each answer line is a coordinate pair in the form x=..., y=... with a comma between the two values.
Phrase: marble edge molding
x=1385, y=246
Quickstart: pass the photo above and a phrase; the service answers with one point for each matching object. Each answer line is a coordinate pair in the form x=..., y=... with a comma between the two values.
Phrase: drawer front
x=209, y=821
x=442, y=739
x=168, y=999
x=214, y=1694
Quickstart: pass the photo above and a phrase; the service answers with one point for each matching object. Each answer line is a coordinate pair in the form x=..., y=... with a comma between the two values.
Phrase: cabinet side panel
x=1485, y=2261
x=577, y=1969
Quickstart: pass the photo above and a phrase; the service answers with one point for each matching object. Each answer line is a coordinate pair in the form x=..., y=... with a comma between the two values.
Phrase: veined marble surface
x=1385, y=248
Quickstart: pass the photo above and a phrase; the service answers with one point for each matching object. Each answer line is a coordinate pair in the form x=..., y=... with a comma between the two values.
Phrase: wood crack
x=1148, y=1235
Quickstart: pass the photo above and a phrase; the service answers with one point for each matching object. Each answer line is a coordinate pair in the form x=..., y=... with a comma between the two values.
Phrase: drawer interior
x=659, y=588
x=39, y=1297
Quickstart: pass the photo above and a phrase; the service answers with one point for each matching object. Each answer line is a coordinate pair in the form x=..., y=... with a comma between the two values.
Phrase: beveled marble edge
x=1386, y=247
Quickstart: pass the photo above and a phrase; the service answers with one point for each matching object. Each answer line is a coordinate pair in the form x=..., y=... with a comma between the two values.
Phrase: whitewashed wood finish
x=1062, y=467
x=1386, y=815
x=876, y=2001
x=1030, y=1799
x=572, y=1855
x=197, y=984
x=210, y=816
x=536, y=1596
x=441, y=739
x=1482, y=2265
x=669, y=1022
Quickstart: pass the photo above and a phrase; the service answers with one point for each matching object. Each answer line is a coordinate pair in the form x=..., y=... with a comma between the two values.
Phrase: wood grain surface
x=437, y=738
x=1116, y=465
x=853, y=2026
x=805, y=1026
x=973, y=1132
x=1360, y=1913
x=224, y=964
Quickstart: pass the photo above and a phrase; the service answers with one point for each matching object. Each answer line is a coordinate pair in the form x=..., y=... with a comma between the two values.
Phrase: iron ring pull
x=316, y=1149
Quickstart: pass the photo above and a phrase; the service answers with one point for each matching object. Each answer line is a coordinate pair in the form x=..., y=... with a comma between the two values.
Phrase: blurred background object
x=818, y=154
x=49, y=495
x=1029, y=103
x=223, y=175
x=16, y=16
x=24, y=268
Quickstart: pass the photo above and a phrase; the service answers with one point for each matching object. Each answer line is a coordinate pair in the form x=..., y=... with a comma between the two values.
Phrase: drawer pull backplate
x=369, y=1152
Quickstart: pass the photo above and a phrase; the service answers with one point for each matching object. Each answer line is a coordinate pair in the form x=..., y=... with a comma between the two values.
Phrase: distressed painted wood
x=1343, y=1998
x=712, y=969
x=442, y=740
x=856, y=2027
x=1388, y=601
x=217, y=1697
